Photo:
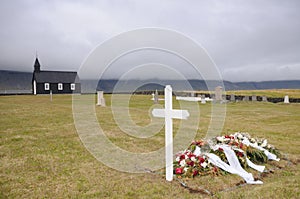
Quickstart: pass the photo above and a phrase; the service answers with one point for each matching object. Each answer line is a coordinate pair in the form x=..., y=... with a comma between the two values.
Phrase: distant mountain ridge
x=12, y=80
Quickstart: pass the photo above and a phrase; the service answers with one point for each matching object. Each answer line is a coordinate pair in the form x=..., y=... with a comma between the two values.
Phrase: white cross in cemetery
x=169, y=114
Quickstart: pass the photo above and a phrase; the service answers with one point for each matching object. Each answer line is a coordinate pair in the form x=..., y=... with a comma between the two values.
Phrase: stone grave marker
x=246, y=98
x=264, y=99
x=51, y=95
x=156, y=97
x=232, y=97
x=286, y=99
x=254, y=98
x=203, y=101
x=218, y=93
x=169, y=114
x=100, y=98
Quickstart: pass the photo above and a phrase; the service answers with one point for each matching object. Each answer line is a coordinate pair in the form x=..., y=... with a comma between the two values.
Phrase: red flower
x=241, y=145
x=240, y=154
x=200, y=143
x=201, y=160
x=178, y=170
x=182, y=157
x=220, y=149
x=190, y=163
x=195, y=172
x=191, y=155
x=215, y=169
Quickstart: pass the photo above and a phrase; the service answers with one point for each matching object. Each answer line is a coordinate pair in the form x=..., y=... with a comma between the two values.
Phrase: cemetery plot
x=42, y=157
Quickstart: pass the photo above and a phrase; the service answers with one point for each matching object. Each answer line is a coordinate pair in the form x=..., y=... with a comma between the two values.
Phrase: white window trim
x=47, y=86
x=73, y=87
x=60, y=86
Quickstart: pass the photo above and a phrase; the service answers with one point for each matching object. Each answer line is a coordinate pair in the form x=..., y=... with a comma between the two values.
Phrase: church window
x=60, y=86
x=47, y=87
x=73, y=87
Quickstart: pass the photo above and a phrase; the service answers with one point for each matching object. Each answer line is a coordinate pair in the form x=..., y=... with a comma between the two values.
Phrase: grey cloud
x=248, y=40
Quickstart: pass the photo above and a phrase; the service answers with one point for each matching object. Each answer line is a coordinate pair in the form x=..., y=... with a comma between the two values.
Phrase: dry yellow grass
x=41, y=155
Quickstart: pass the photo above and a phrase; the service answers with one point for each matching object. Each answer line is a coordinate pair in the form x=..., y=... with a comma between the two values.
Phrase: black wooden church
x=58, y=82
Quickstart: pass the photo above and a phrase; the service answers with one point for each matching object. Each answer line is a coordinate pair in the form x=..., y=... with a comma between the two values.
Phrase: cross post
x=169, y=114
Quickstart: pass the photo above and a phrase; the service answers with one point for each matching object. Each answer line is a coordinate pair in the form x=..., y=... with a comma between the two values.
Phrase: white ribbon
x=251, y=164
x=270, y=156
x=197, y=151
x=234, y=164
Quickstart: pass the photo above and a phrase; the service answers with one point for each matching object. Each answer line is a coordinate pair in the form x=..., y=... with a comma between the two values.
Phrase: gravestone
x=100, y=98
x=286, y=99
x=218, y=93
x=169, y=114
x=264, y=99
x=203, y=101
x=254, y=98
x=232, y=97
x=156, y=97
x=246, y=98
x=51, y=95
x=192, y=94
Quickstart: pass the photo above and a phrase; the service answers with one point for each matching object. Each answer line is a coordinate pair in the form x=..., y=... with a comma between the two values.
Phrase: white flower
x=204, y=164
x=239, y=136
x=177, y=159
x=182, y=163
x=185, y=169
x=264, y=144
x=193, y=158
x=252, y=140
x=220, y=138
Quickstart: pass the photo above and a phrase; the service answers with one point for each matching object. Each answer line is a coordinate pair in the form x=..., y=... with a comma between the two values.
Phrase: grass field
x=41, y=155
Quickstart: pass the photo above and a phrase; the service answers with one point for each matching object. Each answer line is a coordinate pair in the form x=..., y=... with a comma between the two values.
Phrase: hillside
x=20, y=82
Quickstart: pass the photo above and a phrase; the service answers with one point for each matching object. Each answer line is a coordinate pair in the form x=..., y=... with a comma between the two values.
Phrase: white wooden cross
x=168, y=113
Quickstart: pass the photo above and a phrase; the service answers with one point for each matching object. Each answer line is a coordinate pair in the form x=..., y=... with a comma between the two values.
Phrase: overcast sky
x=252, y=40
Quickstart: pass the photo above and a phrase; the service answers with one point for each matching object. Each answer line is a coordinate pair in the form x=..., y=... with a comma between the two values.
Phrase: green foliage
x=256, y=156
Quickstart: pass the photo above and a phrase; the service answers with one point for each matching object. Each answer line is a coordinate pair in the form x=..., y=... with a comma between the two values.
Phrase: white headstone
x=264, y=99
x=254, y=98
x=156, y=97
x=246, y=98
x=152, y=96
x=203, y=101
x=286, y=99
x=100, y=98
x=51, y=95
x=218, y=93
x=169, y=114
x=232, y=97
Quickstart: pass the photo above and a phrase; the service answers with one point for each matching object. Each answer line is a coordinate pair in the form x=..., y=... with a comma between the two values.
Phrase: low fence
x=15, y=92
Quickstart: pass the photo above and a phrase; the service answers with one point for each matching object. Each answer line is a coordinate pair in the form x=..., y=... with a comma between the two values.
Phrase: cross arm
x=175, y=114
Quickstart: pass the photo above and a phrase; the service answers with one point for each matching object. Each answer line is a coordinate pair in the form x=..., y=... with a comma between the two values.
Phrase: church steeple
x=37, y=66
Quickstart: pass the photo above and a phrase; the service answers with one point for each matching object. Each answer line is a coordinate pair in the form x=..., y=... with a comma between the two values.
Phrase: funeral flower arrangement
x=207, y=157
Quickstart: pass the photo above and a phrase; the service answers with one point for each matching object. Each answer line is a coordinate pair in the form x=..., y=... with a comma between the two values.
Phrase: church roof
x=37, y=63
x=56, y=77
